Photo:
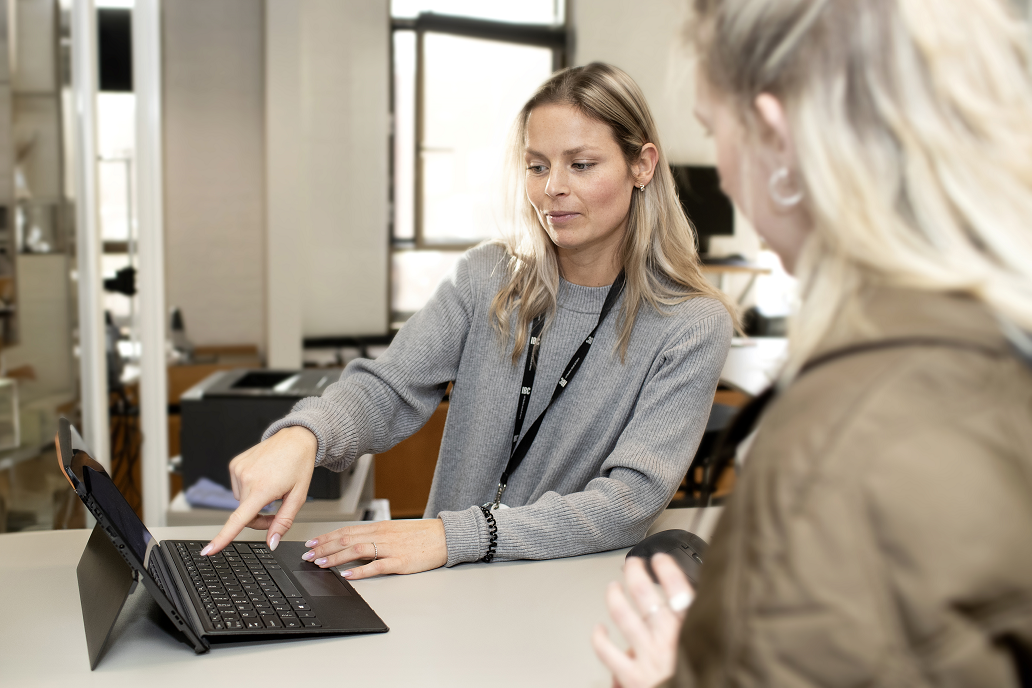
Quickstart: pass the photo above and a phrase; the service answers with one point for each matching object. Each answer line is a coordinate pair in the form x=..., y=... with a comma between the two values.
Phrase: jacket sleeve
x=378, y=403
x=636, y=480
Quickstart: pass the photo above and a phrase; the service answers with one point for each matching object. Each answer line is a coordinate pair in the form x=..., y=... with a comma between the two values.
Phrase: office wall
x=213, y=102
x=327, y=100
x=646, y=39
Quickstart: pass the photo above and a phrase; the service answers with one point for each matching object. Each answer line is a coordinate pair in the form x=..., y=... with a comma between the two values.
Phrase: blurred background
x=208, y=208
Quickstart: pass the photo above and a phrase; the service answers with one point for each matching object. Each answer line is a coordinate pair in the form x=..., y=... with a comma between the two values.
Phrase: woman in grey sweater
x=605, y=261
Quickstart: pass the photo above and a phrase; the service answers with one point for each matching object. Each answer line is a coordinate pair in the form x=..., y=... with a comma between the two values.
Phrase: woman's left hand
x=400, y=547
x=651, y=625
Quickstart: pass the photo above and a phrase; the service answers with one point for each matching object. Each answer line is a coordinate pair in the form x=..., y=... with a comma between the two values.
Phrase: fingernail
x=307, y=556
x=204, y=552
x=346, y=574
x=274, y=541
x=312, y=543
x=320, y=562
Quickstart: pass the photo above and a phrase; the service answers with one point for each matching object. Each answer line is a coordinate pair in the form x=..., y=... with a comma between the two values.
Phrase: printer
x=227, y=412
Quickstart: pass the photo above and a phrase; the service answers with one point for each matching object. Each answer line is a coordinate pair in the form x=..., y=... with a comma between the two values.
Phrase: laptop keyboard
x=243, y=587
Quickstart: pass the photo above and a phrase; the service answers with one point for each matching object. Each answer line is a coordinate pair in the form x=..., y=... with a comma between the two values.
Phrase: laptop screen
x=113, y=504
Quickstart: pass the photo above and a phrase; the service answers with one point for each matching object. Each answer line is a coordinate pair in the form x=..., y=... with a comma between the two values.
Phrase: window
x=459, y=81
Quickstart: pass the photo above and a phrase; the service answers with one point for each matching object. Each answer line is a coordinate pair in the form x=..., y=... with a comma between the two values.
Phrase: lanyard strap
x=520, y=447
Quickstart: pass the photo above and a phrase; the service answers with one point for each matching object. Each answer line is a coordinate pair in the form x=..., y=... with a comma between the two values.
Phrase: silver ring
x=652, y=610
x=376, y=554
x=681, y=601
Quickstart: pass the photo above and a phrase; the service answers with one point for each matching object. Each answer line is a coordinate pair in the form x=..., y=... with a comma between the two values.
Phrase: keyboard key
x=231, y=615
x=291, y=623
x=312, y=623
x=262, y=604
x=287, y=615
x=306, y=615
x=218, y=625
x=300, y=605
x=255, y=623
x=272, y=622
x=225, y=606
x=233, y=624
x=282, y=607
x=251, y=614
x=266, y=612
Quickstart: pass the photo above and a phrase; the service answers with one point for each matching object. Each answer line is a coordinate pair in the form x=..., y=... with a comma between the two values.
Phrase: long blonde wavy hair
x=912, y=122
x=658, y=254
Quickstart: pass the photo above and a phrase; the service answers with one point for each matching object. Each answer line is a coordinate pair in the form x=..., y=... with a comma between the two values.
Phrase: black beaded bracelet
x=492, y=532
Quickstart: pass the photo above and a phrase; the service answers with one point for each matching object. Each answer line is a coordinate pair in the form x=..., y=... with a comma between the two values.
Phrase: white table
x=499, y=624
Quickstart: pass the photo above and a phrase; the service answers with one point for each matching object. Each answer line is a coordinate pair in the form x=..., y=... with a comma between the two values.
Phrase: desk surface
x=500, y=624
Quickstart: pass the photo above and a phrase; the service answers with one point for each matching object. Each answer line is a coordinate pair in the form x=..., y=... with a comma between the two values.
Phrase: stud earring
x=641, y=187
x=779, y=178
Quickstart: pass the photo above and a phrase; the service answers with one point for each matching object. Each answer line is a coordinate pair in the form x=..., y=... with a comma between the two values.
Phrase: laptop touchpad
x=322, y=583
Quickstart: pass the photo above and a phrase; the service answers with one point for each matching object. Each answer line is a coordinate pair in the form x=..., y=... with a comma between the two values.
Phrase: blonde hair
x=912, y=122
x=658, y=254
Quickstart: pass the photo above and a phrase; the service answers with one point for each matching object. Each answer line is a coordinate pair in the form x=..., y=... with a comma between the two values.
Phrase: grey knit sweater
x=610, y=452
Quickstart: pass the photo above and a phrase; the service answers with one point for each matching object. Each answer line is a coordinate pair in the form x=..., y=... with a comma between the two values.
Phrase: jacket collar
x=898, y=313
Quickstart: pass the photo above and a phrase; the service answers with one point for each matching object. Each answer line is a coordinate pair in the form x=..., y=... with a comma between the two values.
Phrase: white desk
x=500, y=624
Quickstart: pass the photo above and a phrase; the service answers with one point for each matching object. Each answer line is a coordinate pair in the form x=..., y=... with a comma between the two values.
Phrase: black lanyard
x=521, y=447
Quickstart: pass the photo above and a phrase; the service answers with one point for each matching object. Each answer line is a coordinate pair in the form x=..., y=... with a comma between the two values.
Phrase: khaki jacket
x=881, y=531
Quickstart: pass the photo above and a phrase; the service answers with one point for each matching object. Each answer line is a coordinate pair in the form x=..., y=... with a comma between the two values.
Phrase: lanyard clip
x=498, y=497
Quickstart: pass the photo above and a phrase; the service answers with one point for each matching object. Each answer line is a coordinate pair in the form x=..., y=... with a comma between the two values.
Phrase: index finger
x=244, y=514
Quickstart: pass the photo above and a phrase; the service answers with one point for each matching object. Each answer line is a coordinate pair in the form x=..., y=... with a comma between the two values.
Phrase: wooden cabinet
x=404, y=474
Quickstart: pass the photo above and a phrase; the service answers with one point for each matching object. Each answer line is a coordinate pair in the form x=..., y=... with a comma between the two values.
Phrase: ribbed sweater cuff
x=466, y=535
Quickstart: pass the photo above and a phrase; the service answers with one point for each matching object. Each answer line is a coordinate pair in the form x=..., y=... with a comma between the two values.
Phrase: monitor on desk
x=707, y=207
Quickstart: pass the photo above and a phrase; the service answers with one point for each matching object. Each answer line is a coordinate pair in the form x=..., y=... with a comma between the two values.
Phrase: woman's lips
x=558, y=218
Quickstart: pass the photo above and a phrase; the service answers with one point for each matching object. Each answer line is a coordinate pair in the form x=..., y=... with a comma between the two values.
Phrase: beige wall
x=276, y=180
x=213, y=99
x=327, y=137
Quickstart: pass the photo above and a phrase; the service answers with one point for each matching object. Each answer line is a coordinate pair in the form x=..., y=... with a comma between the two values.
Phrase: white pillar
x=92, y=362
x=151, y=281
x=286, y=211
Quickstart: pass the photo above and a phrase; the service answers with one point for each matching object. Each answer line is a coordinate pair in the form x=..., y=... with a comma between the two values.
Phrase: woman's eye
x=583, y=165
x=535, y=169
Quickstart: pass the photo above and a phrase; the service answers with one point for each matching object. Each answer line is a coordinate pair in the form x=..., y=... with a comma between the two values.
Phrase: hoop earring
x=779, y=177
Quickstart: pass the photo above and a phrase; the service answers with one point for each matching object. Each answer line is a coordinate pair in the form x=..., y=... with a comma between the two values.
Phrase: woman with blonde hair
x=879, y=532
x=584, y=354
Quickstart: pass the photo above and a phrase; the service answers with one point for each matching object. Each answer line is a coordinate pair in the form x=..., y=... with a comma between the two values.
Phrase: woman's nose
x=556, y=185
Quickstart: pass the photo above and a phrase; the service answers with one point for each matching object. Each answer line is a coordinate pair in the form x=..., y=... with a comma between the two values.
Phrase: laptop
x=246, y=592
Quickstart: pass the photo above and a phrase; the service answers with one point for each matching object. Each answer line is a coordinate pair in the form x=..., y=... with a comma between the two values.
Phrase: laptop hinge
x=174, y=583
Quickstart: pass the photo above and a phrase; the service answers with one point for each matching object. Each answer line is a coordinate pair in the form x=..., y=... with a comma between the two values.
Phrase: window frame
x=555, y=37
